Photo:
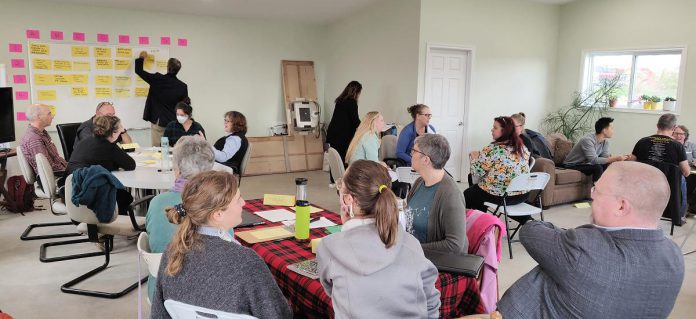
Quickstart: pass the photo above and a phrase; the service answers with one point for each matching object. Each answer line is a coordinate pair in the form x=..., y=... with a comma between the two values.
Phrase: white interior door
x=446, y=79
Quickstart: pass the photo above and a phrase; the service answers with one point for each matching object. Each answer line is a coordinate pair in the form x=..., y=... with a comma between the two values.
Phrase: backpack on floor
x=21, y=193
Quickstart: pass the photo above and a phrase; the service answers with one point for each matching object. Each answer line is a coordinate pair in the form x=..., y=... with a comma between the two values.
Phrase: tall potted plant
x=579, y=117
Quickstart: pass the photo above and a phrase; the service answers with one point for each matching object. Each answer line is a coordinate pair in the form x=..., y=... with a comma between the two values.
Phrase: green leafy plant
x=645, y=97
x=655, y=99
x=669, y=98
x=579, y=117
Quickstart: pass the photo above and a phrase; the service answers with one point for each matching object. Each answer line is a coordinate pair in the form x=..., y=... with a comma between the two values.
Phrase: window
x=651, y=74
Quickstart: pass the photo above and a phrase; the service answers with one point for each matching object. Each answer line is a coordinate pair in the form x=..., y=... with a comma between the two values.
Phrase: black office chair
x=67, y=133
x=672, y=212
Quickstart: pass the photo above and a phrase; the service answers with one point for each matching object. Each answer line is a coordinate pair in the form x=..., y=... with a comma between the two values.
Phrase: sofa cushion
x=562, y=149
x=568, y=176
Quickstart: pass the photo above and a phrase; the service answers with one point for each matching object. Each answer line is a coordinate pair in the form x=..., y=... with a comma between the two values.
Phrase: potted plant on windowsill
x=655, y=100
x=612, y=101
x=647, y=102
x=670, y=104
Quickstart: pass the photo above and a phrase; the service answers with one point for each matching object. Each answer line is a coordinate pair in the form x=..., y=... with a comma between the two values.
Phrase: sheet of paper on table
x=278, y=200
x=321, y=223
x=276, y=215
x=312, y=209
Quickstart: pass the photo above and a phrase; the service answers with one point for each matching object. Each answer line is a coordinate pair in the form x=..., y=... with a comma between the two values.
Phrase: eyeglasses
x=228, y=121
x=679, y=134
x=427, y=115
x=417, y=151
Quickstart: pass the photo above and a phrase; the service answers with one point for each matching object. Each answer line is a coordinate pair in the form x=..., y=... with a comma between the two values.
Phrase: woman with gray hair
x=192, y=155
x=436, y=213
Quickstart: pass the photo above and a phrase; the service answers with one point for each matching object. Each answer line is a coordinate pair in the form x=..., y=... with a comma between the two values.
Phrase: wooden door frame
x=466, y=140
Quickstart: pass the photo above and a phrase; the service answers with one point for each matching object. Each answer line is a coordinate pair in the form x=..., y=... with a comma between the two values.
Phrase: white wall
x=626, y=24
x=229, y=64
x=377, y=46
x=514, y=58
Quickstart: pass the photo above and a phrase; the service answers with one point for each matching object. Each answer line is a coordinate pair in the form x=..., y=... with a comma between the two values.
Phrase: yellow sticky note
x=44, y=79
x=122, y=80
x=157, y=155
x=46, y=95
x=62, y=65
x=278, y=200
x=62, y=79
x=52, y=109
x=122, y=92
x=122, y=64
x=149, y=62
x=103, y=80
x=104, y=63
x=102, y=52
x=312, y=209
x=80, y=51
x=81, y=66
x=315, y=244
x=140, y=82
x=141, y=92
x=266, y=233
x=582, y=205
x=79, y=78
x=41, y=64
x=102, y=92
x=79, y=91
x=149, y=162
x=162, y=65
x=38, y=48
x=129, y=146
x=124, y=52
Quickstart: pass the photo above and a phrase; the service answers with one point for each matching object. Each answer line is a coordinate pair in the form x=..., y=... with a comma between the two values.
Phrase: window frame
x=587, y=66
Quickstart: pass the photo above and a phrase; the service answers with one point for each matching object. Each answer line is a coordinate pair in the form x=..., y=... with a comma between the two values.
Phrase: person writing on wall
x=166, y=90
x=421, y=125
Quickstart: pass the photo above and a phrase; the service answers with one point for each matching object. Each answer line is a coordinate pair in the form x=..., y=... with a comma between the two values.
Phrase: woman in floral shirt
x=496, y=165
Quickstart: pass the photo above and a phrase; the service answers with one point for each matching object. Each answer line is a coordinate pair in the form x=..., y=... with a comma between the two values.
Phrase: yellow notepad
x=129, y=146
x=150, y=162
x=264, y=234
x=582, y=205
x=278, y=200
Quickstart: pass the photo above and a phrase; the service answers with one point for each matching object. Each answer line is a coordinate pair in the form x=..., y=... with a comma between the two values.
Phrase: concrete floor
x=31, y=289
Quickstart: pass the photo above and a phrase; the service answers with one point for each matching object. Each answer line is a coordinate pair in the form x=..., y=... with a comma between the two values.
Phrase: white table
x=146, y=174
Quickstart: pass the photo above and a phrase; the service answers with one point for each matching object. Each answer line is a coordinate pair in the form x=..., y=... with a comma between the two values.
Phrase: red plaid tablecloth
x=459, y=294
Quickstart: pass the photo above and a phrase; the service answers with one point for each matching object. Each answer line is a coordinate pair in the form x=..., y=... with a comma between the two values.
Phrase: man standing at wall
x=166, y=90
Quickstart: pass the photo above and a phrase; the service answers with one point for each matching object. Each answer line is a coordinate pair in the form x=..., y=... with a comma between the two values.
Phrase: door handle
x=460, y=124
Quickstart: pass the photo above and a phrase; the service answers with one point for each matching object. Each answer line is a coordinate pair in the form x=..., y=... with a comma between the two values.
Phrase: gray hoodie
x=366, y=280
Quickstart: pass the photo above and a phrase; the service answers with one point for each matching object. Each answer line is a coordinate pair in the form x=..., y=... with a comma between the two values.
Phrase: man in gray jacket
x=622, y=266
x=590, y=154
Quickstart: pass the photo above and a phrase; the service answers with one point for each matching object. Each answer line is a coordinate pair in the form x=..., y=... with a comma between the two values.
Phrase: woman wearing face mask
x=204, y=265
x=230, y=149
x=184, y=124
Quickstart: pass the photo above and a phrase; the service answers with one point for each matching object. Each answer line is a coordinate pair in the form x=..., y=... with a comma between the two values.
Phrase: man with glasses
x=620, y=266
x=590, y=155
x=86, y=128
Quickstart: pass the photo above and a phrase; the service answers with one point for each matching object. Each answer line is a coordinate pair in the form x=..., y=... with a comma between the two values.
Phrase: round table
x=146, y=178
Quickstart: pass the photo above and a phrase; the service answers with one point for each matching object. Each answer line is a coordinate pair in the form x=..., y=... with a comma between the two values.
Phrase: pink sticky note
x=21, y=116
x=165, y=41
x=144, y=40
x=183, y=42
x=56, y=35
x=16, y=47
x=123, y=39
x=21, y=95
x=17, y=63
x=33, y=34
x=78, y=36
x=19, y=78
x=102, y=37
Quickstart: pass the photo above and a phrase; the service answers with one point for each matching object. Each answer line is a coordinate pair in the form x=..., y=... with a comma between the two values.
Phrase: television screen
x=7, y=129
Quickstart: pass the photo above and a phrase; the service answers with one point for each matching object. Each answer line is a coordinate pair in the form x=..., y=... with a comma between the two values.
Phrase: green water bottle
x=301, y=210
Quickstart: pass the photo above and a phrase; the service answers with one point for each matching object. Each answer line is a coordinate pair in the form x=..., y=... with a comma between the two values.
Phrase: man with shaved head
x=620, y=266
x=85, y=130
x=36, y=140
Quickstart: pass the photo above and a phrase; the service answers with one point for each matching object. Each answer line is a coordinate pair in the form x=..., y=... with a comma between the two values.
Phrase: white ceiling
x=310, y=11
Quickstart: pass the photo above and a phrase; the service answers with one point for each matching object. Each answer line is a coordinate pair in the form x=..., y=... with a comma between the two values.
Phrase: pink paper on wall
x=19, y=78
x=17, y=63
x=33, y=34
x=183, y=42
x=102, y=37
x=165, y=40
x=144, y=40
x=16, y=47
x=56, y=35
x=123, y=39
x=21, y=95
x=21, y=116
x=78, y=36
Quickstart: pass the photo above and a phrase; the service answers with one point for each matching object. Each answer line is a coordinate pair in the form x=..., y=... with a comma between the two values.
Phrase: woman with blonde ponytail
x=373, y=268
x=204, y=265
x=365, y=143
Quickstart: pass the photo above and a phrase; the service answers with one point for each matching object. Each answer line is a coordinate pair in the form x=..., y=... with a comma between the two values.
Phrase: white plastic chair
x=180, y=310
x=151, y=259
x=335, y=164
x=521, y=183
x=28, y=173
